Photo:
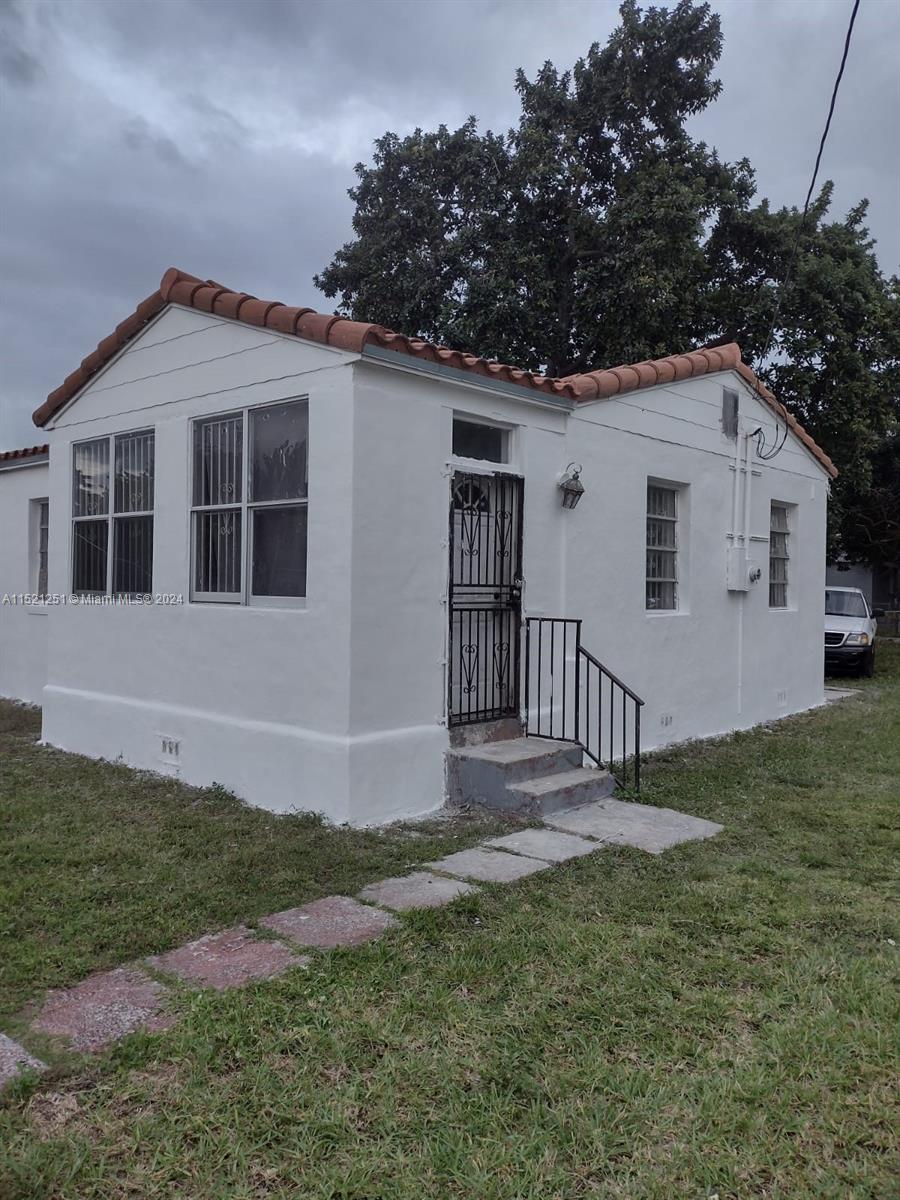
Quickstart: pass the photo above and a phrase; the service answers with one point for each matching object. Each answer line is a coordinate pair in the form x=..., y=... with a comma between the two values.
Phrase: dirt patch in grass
x=50, y=1112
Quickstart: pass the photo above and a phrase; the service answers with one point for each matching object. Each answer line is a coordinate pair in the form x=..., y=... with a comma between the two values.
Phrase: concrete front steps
x=532, y=776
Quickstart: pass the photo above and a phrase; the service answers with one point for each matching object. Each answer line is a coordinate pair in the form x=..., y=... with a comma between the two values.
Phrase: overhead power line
x=761, y=452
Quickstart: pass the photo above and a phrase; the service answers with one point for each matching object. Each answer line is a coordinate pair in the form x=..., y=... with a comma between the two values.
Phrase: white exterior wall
x=724, y=660
x=23, y=628
x=403, y=440
x=257, y=697
x=340, y=706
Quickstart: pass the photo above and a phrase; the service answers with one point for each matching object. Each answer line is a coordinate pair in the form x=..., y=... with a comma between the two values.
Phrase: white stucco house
x=24, y=540
x=300, y=555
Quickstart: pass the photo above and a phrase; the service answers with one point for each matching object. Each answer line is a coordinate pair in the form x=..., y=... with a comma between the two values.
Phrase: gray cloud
x=221, y=136
x=18, y=66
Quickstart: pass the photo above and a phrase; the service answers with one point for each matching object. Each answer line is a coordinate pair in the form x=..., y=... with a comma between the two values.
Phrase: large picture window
x=249, y=512
x=112, y=526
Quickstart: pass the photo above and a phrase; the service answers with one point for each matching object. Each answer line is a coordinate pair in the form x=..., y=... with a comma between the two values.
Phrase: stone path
x=334, y=921
x=834, y=695
x=15, y=1059
x=111, y=1004
x=227, y=959
x=104, y=1008
x=419, y=890
x=489, y=866
x=546, y=844
x=638, y=825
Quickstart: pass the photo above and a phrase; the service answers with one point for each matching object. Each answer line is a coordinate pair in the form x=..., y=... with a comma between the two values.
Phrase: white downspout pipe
x=747, y=478
x=734, y=487
x=742, y=443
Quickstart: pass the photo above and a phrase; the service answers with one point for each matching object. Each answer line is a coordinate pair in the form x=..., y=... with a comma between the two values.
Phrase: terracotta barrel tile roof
x=205, y=295
x=177, y=287
x=612, y=381
x=28, y=452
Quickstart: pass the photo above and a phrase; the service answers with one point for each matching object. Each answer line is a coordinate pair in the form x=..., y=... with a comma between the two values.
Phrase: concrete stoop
x=532, y=776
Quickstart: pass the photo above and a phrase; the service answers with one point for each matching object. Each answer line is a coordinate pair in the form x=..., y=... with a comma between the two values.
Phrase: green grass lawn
x=100, y=864
x=721, y=1020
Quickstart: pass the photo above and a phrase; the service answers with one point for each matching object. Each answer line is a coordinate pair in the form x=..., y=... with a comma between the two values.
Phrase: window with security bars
x=662, y=548
x=112, y=519
x=43, y=542
x=250, y=499
x=779, y=533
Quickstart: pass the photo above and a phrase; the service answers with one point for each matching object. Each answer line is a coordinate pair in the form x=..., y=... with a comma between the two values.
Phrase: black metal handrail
x=571, y=696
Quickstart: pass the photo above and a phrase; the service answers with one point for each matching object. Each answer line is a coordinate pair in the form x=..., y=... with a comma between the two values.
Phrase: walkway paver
x=488, y=866
x=15, y=1060
x=332, y=921
x=639, y=825
x=419, y=890
x=103, y=1008
x=228, y=959
x=548, y=844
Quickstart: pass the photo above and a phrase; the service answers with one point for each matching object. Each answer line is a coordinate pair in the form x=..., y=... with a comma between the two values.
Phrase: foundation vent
x=169, y=749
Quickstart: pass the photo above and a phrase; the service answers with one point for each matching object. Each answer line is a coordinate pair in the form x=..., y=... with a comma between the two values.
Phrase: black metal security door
x=485, y=597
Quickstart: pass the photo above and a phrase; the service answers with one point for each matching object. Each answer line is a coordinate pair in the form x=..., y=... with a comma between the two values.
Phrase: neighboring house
x=24, y=532
x=342, y=527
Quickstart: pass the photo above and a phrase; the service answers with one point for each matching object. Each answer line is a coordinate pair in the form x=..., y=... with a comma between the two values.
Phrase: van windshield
x=845, y=604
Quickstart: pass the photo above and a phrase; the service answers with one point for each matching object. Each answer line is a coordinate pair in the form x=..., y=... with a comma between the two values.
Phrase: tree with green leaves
x=598, y=231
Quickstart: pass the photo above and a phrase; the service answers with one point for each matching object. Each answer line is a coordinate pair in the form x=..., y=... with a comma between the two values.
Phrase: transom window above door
x=472, y=439
x=249, y=505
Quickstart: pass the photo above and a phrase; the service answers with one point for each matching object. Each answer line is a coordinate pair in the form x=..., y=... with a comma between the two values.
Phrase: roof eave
x=378, y=344
x=460, y=377
x=30, y=456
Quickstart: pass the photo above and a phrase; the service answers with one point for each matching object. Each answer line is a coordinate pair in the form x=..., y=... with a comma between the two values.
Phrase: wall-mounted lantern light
x=570, y=485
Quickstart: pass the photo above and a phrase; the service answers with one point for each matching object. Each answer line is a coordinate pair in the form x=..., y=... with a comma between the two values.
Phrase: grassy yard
x=100, y=864
x=722, y=1020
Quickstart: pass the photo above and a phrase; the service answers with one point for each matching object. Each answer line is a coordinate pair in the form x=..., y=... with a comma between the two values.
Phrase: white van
x=849, y=631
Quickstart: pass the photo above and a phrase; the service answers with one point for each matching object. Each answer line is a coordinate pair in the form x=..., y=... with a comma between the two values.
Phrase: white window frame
x=674, y=549
x=110, y=515
x=42, y=546
x=245, y=507
x=785, y=558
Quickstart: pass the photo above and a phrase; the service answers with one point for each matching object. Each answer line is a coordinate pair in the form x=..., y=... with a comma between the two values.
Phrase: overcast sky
x=219, y=136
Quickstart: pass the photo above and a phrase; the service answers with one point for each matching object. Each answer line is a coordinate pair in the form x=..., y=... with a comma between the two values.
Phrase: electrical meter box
x=737, y=569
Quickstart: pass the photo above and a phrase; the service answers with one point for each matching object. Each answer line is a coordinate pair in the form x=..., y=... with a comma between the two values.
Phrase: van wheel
x=867, y=668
